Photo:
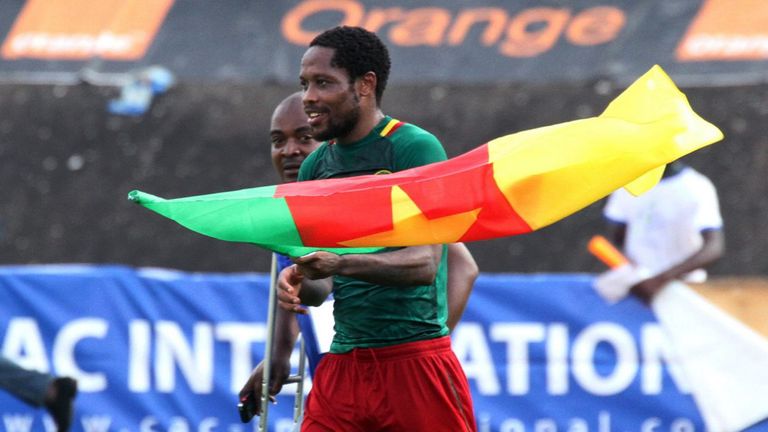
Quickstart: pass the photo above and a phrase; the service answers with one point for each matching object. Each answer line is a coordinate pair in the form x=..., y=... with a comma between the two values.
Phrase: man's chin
x=322, y=134
x=290, y=175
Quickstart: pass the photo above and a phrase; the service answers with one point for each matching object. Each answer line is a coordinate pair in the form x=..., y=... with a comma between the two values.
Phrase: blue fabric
x=306, y=326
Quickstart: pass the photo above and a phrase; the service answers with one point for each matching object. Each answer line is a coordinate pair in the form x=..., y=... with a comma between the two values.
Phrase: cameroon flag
x=511, y=185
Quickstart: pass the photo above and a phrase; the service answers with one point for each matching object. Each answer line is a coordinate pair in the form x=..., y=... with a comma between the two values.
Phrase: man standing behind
x=291, y=142
x=291, y=138
x=391, y=366
x=674, y=230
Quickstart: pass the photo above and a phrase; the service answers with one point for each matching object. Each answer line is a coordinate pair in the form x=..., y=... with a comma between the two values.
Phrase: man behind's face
x=291, y=138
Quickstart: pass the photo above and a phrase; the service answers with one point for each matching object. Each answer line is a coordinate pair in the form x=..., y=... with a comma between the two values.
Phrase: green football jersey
x=370, y=315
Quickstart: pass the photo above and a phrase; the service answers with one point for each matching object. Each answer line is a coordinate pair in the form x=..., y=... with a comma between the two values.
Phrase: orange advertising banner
x=699, y=42
x=81, y=29
x=727, y=30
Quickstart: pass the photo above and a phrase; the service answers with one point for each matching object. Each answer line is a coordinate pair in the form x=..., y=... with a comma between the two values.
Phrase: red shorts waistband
x=399, y=351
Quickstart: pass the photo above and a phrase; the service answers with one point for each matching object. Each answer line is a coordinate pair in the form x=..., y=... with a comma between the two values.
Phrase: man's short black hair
x=358, y=51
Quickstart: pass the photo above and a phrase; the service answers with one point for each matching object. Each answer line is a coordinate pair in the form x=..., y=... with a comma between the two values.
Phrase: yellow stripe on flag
x=549, y=173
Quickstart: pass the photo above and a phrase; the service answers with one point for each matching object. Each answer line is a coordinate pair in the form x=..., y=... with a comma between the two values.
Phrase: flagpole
x=268, y=348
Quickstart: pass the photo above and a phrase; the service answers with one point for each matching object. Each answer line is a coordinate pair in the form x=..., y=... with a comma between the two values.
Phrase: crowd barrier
x=162, y=350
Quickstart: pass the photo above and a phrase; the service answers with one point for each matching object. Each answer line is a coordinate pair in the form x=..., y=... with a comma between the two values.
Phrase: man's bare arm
x=294, y=289
x=410, y=266
x=286, y=332
x=462, y=273
x=711, y=250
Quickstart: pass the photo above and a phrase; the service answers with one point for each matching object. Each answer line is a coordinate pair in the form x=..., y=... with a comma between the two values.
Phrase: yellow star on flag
x=411, y=227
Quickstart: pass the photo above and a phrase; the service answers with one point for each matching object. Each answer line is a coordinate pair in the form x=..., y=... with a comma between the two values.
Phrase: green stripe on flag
x=248, y=216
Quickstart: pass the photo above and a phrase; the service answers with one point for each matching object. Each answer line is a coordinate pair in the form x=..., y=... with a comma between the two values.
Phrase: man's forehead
x=289, y=116
x=318, y=54
x=296, y=127
x=317, y=59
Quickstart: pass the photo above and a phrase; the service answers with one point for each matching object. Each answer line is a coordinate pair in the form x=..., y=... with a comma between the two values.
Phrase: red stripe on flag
x=454, y=186
x=321, y=223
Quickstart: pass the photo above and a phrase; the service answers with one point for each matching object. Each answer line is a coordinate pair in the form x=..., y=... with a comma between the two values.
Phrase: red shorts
x=412, y=387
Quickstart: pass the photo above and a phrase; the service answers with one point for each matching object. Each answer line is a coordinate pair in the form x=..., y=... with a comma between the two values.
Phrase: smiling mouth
x=290, y=173
x=292, y=164
x=315, y=117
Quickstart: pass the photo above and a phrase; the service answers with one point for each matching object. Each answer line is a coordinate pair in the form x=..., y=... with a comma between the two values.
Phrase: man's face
x=291, y=139
x=329, y=98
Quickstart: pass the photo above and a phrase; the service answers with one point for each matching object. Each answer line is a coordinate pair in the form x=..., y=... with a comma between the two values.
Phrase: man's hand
x=251, y=391
x=288, y=289
x=318, y=265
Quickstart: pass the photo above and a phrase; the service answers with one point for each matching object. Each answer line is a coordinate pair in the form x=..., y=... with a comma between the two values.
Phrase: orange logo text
x=528, y=33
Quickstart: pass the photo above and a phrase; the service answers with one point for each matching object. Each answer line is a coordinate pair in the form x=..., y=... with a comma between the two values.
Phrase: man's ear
x=366, y=84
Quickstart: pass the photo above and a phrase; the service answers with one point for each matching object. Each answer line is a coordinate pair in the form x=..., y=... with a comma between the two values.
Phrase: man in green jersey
x=391, y=366
x=291, y=143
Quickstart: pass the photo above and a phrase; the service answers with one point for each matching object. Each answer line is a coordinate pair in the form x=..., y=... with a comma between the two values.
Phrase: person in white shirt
x=673, y=231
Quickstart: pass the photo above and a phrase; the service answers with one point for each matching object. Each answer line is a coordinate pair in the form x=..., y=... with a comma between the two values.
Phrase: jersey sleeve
x=707, y=215
x=421, y=148
x=615, y=209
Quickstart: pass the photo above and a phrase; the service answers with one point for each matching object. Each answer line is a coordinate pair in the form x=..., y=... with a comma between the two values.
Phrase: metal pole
x=298, y=403
x=268, y=348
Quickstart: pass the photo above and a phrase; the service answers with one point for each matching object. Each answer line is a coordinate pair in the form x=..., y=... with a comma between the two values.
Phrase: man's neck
x=363, y=127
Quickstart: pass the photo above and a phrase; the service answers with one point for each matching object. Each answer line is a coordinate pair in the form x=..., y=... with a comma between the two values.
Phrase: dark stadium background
x=67, y=163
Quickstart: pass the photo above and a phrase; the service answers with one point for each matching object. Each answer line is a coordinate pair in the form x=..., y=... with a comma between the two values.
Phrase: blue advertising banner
x=161, y=350
x=544, y=353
